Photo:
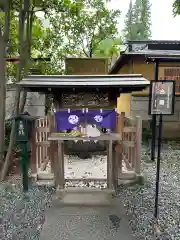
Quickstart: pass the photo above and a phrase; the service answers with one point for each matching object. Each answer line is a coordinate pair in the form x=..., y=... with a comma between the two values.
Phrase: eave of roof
x=155, y=53
x=153, y=41
x=149, y=53
x=83, y=81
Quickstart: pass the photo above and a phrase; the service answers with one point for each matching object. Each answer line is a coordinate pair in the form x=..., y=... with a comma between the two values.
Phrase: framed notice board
x=161, y=97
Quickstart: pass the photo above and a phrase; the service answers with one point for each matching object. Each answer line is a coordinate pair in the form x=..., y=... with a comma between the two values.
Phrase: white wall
x=35, y=104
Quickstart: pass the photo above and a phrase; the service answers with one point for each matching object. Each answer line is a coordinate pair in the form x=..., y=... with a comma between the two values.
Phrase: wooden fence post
x=110, y=164
x=33, y=149
x=138, y=144
x=60, y=181
x=52, y=148
x=118, y=148
x=121, y=123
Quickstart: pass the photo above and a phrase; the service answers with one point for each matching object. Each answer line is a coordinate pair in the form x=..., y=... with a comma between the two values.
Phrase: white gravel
x=90, y=172
x=139, y=199
x=94, y=167
x=21, y=217
x=90, y=168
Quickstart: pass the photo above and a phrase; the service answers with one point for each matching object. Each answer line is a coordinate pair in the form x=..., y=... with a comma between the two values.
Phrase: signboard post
x=154, y=122
x=161, y=102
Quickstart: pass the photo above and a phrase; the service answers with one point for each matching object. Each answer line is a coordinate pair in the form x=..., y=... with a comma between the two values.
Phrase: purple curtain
x=104, y=119
x=66, y=121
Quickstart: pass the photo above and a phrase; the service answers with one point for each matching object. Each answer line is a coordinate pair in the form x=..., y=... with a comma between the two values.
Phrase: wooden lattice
x=130, y=147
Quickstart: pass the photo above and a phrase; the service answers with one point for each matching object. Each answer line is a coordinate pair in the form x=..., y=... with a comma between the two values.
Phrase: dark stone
x=84, y=155
x=80, y=146
x=115, y=220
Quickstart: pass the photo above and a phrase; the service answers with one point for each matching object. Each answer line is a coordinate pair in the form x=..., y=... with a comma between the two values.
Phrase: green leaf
x=176, y=7
x=87, y=26
x=138, y=21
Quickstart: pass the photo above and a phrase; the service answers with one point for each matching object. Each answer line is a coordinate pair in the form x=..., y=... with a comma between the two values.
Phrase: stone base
x=137, y=179
x=90, y=147
x=129, y=175
x=85, y=196
x=45, y=176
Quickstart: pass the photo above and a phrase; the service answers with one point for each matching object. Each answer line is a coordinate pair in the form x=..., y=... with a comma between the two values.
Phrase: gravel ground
x=85, y=170
x=139, y=199
x=76, y=168
x=94, y=167
x=22, y=216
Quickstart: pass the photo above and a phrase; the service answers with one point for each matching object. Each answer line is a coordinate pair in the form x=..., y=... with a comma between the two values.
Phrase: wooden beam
x=129, y=129
x=138, y=144
x=53, y=144
x=110, y=165
x=60, y=165
x=42, y=129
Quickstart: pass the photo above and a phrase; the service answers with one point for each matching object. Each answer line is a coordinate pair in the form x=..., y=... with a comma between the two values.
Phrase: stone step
x=50, y=176
x=138, y=179
x=129, y=175
x=85, y=196
x=45, y=176
x=45, y=182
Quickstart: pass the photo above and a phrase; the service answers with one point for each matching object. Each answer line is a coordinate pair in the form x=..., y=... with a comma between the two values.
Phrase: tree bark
x=4, y=38
x=24, y=51
x=91, y=49
x=2, y=95
x=29, y=24
x=12, y=139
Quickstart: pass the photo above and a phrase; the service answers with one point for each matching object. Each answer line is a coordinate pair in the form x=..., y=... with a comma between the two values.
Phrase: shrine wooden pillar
x=57, y=150
x=112, y=153
x=110, y=162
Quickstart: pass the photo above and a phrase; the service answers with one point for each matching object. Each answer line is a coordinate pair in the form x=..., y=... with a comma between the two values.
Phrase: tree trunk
x=2, y=96
x=29, y=24
x=12, y=139
x=91, y=50
x=3, y=44
x=24, y=50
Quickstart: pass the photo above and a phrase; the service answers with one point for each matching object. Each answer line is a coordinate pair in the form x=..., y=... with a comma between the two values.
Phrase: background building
x=132, y=60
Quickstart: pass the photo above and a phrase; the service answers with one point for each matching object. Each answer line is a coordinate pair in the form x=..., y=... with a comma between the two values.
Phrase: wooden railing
x=130, y=147
x=131, y=131
x=42, y=145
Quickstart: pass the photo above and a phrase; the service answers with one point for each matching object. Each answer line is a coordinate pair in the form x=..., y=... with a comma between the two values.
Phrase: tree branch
x=91, y=49
x=29, y=24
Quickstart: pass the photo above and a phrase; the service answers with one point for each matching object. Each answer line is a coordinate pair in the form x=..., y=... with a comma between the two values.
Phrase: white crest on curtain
x=73, y=119
x=98, y=118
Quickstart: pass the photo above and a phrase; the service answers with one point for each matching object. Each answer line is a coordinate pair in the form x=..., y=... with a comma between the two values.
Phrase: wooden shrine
x=85, y=94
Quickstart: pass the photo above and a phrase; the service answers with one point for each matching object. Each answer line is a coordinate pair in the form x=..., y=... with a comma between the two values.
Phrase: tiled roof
x=160, y=53
x=82, y=80
x=43, y=83
x=175, y=54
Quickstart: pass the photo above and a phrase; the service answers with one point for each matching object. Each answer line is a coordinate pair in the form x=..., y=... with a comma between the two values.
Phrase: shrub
x=146, y=131
x=8, y=125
